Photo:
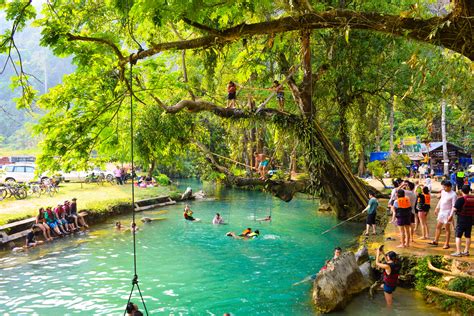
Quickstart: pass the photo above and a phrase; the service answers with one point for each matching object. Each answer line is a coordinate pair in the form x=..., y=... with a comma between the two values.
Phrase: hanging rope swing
x=135, y=274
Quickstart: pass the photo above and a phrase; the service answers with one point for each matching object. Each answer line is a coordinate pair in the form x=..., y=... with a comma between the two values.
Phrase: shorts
x=371, y=219
x=231, y=96
x=264, y=163
x=443, y=216
x=280, y=96
x=464, y=226
x=404, y=220
x=412, y=218
x=388, y=289
x=52, y=225
x=63, y=221
x=426, y=208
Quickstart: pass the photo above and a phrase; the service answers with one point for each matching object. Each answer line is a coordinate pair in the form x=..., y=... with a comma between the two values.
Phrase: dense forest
x=358, y=76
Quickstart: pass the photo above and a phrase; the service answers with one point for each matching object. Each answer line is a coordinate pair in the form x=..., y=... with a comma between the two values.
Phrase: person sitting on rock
x=390, y=273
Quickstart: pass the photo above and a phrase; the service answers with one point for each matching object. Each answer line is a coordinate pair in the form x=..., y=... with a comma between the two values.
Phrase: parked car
x=21, y=172
x=78, y=176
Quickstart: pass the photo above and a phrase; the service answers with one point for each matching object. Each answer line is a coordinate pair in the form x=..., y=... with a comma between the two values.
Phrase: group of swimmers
x=59, y=221
x=218, y=220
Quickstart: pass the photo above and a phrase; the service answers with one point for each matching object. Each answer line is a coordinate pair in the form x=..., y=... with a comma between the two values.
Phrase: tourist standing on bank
x=409, y=188
x=371, y=210
x=423, y=205
x=464, y=210
x=444, y=211
x=460, y=178
x=118, y=175
x=401, y=210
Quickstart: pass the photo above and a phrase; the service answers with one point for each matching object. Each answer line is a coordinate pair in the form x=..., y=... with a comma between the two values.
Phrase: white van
x=21, y=172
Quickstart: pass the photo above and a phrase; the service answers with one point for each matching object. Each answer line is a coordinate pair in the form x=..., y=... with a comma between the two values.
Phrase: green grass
x=89, y=196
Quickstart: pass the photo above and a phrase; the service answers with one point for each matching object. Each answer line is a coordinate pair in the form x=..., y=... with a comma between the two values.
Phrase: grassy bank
x=89, y=196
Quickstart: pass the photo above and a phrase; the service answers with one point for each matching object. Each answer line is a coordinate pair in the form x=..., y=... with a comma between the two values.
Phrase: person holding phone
x=391, y=270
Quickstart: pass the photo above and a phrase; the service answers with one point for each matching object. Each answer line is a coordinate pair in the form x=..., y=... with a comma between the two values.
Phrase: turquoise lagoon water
x=184, y=268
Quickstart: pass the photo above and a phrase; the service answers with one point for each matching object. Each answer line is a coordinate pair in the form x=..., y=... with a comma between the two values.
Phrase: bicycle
x=34, y=189
x=17, y=191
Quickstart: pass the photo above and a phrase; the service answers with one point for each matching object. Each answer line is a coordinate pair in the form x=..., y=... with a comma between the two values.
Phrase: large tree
x=88, y=112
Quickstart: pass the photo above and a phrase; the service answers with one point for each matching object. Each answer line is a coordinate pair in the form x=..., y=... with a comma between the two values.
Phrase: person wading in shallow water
x=391, y=270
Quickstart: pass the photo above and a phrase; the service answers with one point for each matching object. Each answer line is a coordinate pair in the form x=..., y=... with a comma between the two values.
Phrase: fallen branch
x=451, y=293
x=456, y=274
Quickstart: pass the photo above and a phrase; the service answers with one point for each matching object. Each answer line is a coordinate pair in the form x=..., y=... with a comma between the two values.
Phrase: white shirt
x=447, y=201
x=216, y=220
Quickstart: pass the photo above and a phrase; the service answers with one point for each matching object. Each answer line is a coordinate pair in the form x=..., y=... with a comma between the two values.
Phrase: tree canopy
x=346, y=66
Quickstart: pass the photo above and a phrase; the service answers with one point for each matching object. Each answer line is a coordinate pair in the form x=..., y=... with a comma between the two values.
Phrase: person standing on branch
x=464, y=209
x=231, y=94
x=280, y=94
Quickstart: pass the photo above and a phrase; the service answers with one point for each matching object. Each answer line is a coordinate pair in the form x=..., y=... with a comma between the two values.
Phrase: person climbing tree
x=280, y=94
x=231, y=94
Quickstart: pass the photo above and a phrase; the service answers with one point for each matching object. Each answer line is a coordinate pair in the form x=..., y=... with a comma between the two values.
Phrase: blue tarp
x=379, y=155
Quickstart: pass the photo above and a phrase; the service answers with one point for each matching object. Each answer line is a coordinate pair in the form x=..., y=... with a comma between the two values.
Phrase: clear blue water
x=184, y=268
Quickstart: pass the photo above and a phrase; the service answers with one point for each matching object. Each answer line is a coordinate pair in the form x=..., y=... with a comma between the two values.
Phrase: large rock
x=335, y=286
x=362, y=255
x=187, y=194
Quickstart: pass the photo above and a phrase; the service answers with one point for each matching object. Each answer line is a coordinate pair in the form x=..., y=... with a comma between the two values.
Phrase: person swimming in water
x=118, y=225
x=265, y=219
x=217, y=219
x=246, y=234
x=188, y=214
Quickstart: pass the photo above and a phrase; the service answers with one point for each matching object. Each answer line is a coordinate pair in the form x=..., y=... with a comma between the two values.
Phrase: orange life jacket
x=404, y=202
x=427, y=199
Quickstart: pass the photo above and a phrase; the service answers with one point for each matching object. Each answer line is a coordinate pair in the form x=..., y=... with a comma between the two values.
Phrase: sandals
x=465, y=253
x=446, y=247
x=456, y=254
x=433, y=243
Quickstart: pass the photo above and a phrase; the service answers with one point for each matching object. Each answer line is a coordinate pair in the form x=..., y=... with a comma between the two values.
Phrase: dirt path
x=421, y=247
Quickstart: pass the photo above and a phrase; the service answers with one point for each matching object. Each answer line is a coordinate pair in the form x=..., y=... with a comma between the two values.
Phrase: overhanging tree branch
x=72, y=37
x=454, y=32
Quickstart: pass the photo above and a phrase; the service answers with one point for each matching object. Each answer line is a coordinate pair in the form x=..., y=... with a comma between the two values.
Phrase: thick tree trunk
x=328, y=173
x=391, y=122
x=152, y=168
x=343, y=134
x=444, y=138
x=361, y=169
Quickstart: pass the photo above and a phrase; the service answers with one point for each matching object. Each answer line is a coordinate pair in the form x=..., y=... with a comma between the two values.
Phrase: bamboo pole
x=326, y=231
x=456, y=274
x=451, y=293
x=223, y=157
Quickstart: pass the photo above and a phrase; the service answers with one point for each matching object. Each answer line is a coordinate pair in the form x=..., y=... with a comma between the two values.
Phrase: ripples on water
x=184, y=268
